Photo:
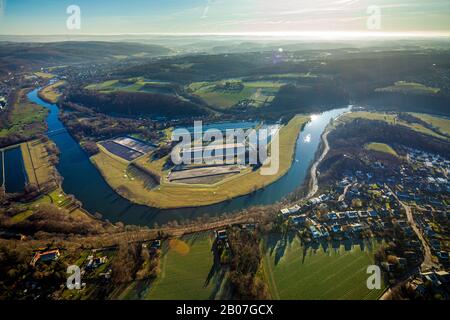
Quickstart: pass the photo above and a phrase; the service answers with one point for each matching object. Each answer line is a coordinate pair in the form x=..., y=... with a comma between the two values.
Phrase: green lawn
x=381, y=147
x=293, y=274
x=187, y=270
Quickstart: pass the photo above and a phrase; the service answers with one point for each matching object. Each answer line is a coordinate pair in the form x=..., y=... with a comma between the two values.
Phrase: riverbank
x=49, y=93
x=132, y=184
x=82, y=179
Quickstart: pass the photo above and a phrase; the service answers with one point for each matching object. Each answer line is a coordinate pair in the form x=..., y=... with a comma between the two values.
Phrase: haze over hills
x=14, y=56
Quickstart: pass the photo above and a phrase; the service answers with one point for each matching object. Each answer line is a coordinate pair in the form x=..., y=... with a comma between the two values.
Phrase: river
x=14, y=170
x=84, y=181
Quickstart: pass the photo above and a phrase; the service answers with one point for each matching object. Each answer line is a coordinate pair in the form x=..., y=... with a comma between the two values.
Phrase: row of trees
x=245, y=283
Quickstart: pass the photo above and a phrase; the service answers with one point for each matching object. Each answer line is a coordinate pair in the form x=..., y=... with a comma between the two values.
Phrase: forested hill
x=17, y=56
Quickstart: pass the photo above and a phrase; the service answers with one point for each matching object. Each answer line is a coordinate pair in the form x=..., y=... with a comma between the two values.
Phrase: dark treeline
x=245, y=263
x=436, y=104
x=361, y=131
x=52, y=220
x=307, y=99
x=343, y=77
x=137, y=103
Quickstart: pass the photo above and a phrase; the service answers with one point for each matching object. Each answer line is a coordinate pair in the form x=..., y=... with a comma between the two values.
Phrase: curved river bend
x=84, y=181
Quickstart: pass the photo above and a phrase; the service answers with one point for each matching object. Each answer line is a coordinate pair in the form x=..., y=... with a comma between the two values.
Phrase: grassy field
x=391, y=118
x=440, y=123
x=133, y=85
x=44, y=75
x=260, y=92
x=409, y=87
x=133, y=185
x=50, y=93
x=25, y=118
x=381, y=147
x=294, y=273
x=187, y=270
x=35, y=159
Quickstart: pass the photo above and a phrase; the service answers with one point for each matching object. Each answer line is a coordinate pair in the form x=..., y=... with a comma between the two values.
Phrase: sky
x=107, y=17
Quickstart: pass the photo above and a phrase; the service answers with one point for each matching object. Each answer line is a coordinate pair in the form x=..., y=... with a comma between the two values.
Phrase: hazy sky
x=32, y=17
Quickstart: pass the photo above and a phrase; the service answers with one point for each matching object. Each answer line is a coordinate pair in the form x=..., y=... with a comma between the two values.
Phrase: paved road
x=342, y=196
x=427, y=256
x=314, y=186
x=427, y=262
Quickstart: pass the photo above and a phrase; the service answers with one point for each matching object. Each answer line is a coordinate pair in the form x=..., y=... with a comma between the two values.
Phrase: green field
x=187, y=270
x=25, y=118
x=294, y=274
x=259, y=92
x=51, y=93
x=409, y=87
x=133, y=85
x=391, y=118
x=440, y=123
x=44, y=75
x=381, y=147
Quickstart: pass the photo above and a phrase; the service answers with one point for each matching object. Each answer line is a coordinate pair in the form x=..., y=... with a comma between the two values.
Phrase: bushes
x=51, y=219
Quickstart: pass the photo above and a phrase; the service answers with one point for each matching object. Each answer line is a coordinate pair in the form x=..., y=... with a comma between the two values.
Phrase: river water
x=84, y=181
x=15, y=175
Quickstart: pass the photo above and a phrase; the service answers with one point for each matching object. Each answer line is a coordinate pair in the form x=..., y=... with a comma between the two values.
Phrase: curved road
x=427, y=262
x=313, y=184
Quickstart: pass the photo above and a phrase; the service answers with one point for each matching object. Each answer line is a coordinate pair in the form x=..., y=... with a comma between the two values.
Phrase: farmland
x=188, y=270
x=381, y=147
x=227, y=93
x=440, y=123
x=44, y=75
x=50, y=93
x=133, y=85
x=392, y=118
x=295, y=272
x=25, y=119
x=409, y=87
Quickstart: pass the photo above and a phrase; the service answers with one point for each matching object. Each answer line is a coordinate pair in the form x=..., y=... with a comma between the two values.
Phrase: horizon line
x=285, y=34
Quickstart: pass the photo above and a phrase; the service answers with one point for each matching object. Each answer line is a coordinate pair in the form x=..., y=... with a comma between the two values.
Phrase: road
x=427, y=262
x=427, y=256
x=112, y=240
x=342, y=196
x=313, y=183
x=314, y=186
